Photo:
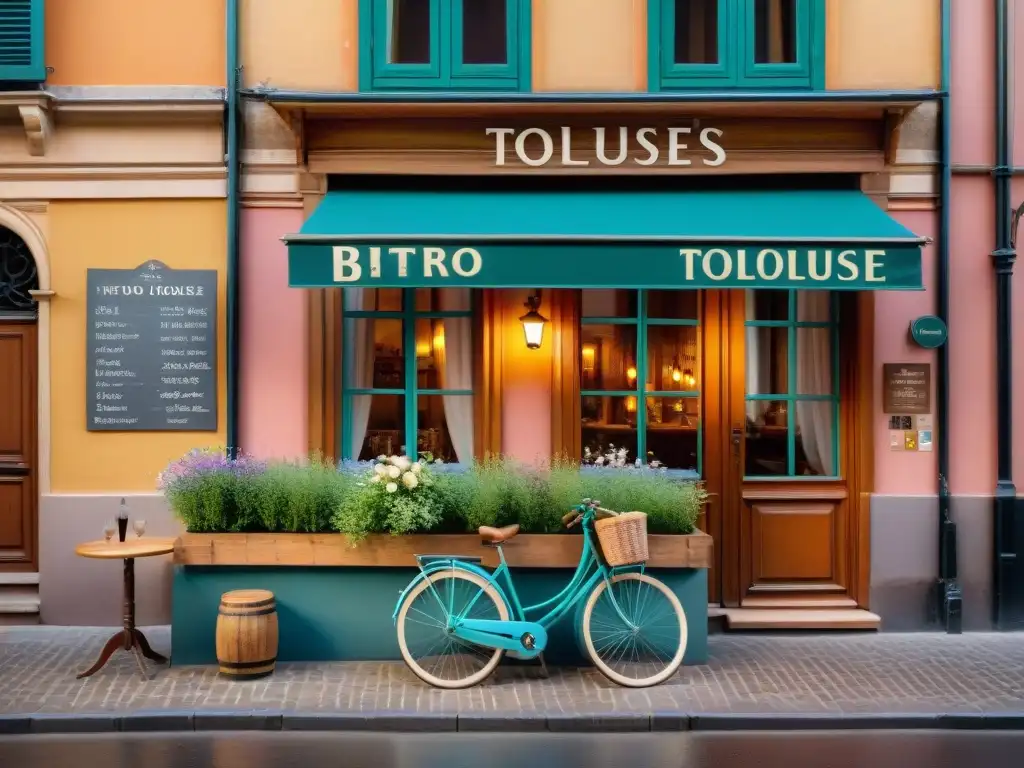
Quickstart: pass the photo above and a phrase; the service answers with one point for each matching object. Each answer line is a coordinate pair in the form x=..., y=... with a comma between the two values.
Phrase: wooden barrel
x=247, y=633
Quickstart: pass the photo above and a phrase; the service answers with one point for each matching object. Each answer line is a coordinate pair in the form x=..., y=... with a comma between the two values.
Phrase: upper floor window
x=21, y=41
x=445, y=45
x=741, y=44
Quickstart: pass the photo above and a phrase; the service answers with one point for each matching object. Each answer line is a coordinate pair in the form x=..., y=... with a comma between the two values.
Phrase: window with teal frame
x=736, y=44
x=481, y=45
x=640, y=378
x=407, y=373
x=792, y=390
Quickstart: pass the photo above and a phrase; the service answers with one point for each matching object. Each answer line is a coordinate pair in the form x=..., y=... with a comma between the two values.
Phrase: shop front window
x=407, y=373
x=792, y=393
x=736, y=44
x=445, y=44
x=640, y=377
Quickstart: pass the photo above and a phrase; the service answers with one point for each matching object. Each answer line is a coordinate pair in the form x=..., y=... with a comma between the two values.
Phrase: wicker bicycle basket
x=623, y=538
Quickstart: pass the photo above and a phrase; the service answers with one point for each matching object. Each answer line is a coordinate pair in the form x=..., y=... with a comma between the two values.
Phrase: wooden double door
x=18, y=487
x=798, y=539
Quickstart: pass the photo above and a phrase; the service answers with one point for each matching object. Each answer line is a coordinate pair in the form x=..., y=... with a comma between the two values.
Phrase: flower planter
x=335, y=601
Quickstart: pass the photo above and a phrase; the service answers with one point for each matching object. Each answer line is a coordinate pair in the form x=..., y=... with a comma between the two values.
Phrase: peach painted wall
x=301, y=44
x=902, y=472
x=526, y=387
x=972, y=321
x=128, y=42
x=273, y=356
x=121, y=234
x=883, y=44
x=578, y=49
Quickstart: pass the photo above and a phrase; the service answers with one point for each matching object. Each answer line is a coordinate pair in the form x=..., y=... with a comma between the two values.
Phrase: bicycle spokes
x=636, y=630
x=425, y=627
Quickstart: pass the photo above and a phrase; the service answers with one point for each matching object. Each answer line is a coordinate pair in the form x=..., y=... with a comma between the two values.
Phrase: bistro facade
x=719, y=241
x=707, y=296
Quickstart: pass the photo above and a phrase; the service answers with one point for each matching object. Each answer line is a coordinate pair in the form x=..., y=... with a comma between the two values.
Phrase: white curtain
x=755, y=371
x=359, y=352
x=455, y=363
x=814, y=419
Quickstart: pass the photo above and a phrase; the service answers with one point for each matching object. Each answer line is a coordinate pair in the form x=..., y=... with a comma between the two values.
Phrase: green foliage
x=211, y=493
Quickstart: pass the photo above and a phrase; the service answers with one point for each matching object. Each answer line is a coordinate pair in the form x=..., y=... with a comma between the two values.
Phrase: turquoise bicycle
x=456, y=620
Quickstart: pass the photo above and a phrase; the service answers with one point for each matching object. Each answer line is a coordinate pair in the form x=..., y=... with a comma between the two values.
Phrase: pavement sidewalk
x=751, y=682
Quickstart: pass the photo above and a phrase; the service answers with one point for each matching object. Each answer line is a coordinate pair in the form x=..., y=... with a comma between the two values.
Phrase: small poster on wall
x=907, y=388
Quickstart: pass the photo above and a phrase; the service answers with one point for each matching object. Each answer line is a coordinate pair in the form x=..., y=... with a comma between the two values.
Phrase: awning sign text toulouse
x=603, y=264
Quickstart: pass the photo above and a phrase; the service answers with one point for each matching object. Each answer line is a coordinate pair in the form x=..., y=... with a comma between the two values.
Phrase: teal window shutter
x=21, y=41
x=736, y=44
x=444, y=45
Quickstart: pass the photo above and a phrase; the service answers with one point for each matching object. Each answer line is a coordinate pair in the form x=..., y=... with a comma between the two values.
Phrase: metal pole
x=950, y=598
x=1003, y=258
x=232, y=131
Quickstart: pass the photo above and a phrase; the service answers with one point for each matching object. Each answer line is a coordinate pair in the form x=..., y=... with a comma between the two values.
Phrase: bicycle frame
x=513, y=634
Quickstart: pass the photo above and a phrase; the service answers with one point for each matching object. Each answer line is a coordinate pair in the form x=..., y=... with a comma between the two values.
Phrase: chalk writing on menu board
x=152, y=349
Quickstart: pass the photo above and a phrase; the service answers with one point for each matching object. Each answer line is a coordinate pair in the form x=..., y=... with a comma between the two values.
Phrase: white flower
x=599, y=461
x=392, y=459
x=391, y=487
x=410, y=480
x=402, y=462
x=416, y=467
x=379, y=470
x=438, y=461
x=637, y=462
x=375, y=478
x=394, y=472
x=382, y=457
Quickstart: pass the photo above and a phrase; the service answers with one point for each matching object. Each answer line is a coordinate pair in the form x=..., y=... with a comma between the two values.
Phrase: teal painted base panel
x=344, y=614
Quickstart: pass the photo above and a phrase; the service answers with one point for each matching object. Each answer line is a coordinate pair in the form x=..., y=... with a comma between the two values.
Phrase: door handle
x=14, y=467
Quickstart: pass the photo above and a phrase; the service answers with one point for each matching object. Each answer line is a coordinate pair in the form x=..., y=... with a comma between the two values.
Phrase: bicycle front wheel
x=649, y=649
x=428, y=646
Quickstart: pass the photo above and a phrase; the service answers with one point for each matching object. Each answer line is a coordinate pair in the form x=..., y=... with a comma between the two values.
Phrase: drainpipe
x=232, y=129
x=949, y=594
x=1003, y=258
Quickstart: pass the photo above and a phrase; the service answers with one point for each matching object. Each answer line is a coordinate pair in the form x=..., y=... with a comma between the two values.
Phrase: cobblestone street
x=779, y=675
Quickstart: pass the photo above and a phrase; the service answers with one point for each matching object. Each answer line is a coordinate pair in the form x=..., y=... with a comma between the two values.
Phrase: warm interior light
x=631, y=373
x=676, y=375
x=589, y=353
x=533, y=322
x=689, y=378
x=630, y=404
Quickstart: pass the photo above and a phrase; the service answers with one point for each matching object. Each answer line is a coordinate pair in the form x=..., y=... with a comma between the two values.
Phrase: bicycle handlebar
x=571, y=518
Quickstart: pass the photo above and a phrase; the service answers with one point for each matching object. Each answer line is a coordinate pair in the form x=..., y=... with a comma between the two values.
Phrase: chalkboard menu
x=151, y=344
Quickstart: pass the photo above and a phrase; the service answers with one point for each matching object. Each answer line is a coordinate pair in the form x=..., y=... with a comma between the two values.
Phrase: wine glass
x=109, y=529
x=139, y=526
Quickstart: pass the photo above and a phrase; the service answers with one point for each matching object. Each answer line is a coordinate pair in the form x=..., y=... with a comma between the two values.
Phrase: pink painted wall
x=971, y=320
x=273, y=354
x=903, y=472
x=526, y=406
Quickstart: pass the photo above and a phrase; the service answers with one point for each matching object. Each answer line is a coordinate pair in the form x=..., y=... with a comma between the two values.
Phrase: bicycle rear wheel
x=646, y=653
x=428, y=646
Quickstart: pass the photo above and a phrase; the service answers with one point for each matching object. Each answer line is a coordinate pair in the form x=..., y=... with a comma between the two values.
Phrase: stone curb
x=163, y=721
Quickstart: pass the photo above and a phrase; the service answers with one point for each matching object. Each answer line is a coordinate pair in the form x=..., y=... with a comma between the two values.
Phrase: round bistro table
x=129, y=638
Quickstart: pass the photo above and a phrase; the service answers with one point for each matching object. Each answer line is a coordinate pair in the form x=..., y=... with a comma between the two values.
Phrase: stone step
x=19, y=599
x=800, y=619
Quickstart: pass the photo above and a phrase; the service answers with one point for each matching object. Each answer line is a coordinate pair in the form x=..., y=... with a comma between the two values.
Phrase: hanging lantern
x=533, y=322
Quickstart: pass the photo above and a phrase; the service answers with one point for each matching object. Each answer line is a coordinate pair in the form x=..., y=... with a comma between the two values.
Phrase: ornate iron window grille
x=18, y=276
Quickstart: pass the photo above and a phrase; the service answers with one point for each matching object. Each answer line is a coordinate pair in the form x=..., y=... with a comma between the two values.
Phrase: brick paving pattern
x=780, y=675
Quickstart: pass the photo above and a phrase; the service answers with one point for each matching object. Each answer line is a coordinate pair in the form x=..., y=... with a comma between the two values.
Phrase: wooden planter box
x=331, y=549
x=335, y=601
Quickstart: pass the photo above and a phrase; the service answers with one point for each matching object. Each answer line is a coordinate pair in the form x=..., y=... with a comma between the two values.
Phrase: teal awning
x=833, y=239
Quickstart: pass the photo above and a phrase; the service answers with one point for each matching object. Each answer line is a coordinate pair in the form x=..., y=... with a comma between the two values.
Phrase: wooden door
x=18, y=446
x=786, y=525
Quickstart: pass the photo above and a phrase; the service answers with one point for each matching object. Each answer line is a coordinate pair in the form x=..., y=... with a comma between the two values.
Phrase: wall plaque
x=151, y=340
x=906, y=388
